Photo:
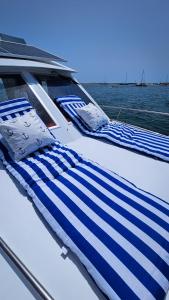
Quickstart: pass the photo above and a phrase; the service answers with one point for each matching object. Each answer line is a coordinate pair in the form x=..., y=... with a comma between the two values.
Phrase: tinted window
x=13, y=86
x=57, y=86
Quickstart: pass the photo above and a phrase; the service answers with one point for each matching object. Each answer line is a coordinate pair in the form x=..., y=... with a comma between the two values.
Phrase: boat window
x=13, y=86
x=3, y=94
x=57, y=86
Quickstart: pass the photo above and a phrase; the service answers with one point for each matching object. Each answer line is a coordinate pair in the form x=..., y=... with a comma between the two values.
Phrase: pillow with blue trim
x=92, y=116
x=25, y=134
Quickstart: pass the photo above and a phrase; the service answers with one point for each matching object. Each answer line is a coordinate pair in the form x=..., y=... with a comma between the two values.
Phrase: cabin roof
x=15, y=63
x=11, y=46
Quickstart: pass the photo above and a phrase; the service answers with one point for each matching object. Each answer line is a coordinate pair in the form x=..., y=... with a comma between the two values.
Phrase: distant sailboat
x=142, y=82
x=125, y=82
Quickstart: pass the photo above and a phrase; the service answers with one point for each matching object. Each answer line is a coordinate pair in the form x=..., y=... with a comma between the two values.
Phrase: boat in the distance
x=165, y=83
x=142, y=82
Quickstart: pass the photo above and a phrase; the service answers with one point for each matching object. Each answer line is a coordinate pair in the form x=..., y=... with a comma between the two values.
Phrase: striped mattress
x=126, y=135
x=120, y=233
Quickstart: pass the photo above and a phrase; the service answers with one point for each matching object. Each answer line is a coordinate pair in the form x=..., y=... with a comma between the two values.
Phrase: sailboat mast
x=142, y=82
x=143, y=77
x=126, y=78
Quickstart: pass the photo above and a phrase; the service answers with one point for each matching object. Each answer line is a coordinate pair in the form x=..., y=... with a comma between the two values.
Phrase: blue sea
x=152, y=98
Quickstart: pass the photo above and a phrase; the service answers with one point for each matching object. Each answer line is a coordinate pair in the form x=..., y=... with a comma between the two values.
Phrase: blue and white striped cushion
x=12, y=108
x=69, y=105
x=119, y=232
x=126, y=135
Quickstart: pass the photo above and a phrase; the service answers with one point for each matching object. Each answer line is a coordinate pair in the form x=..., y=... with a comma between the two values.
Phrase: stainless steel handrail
x=135, y=109
x=43, y=293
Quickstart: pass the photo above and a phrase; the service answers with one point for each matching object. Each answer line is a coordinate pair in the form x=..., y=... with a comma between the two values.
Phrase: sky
x=101, y=39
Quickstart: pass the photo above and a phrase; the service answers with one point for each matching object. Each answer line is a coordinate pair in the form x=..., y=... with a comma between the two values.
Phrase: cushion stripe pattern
x=12, y=108
x=119, y=232
x=126, y=135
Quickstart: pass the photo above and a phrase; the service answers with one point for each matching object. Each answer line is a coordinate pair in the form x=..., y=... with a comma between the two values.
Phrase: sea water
x=151, y=98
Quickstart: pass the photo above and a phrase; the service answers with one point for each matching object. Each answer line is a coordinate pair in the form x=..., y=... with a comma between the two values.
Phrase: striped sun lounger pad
x=123, y=134
x=120, y=233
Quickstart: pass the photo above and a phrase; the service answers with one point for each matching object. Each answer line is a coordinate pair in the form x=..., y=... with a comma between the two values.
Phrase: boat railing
x=38, y=287
x=142, y=118
x=134, y=109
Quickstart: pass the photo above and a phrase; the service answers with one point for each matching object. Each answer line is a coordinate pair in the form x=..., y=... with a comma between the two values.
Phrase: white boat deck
x=28, y=236
x=145, y=172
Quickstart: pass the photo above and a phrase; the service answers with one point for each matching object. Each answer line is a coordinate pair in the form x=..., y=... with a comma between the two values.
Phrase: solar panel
x=10, y=48
x=9, y=38
x=2, y=50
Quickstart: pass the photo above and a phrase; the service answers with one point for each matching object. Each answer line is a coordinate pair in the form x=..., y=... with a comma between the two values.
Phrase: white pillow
x=92, y=116
x=25, y=134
